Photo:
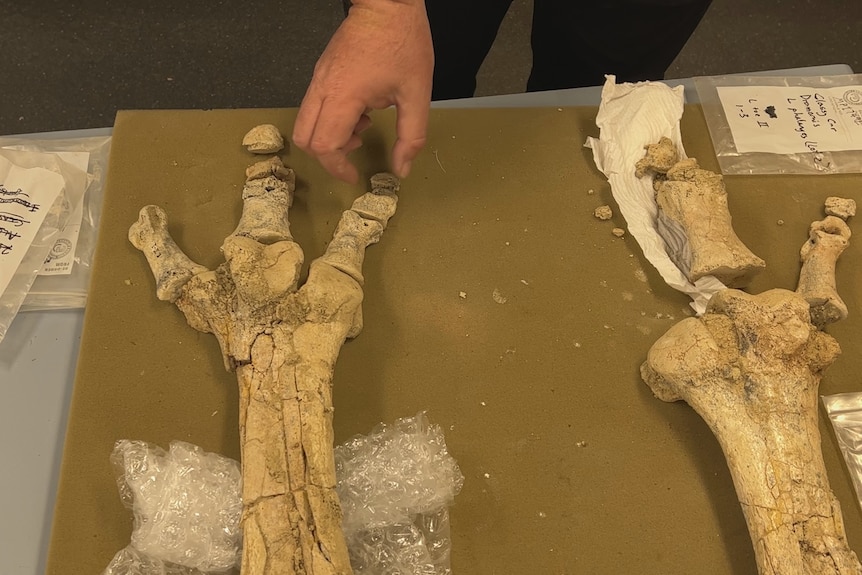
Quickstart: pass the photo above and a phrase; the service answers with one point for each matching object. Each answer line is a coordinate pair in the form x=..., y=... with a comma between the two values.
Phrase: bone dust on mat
x=495, y=305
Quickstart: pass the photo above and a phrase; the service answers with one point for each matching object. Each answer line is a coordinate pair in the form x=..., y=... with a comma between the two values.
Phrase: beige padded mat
x=571, y=465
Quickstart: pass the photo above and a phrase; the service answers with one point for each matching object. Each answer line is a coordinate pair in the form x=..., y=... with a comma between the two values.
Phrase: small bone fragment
x=659, y=158
x=751, y=367
x=844, y=208
x=283, y=342
x=618, y=232
x=263, y=139
x=603, y=213
x=827, y=239
x=693, y=201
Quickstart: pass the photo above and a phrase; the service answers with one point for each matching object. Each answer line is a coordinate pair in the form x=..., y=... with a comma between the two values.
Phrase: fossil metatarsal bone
x=694, y=201
x=283, y=342
x=751, y=367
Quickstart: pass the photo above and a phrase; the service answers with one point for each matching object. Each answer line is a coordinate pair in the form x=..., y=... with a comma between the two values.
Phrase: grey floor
x=69, y=65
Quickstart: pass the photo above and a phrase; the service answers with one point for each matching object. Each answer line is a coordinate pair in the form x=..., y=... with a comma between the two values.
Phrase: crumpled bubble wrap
x=394, y=486
x=186, y=503
x=129, y=561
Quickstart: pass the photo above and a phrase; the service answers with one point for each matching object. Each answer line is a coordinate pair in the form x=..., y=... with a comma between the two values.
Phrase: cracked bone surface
x=693, y=201
x=283, y=341
x=751, y=367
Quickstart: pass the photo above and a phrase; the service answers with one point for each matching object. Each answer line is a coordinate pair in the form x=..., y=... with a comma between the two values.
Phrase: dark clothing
x=574, y=43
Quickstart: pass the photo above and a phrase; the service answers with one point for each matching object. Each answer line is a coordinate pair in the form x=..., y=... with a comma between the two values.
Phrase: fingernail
x=405, y=169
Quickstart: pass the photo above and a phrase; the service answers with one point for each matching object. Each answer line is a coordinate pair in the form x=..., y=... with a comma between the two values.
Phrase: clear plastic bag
x=784, y=124
x=41, y=172
x=845, y=413
x=69, y=290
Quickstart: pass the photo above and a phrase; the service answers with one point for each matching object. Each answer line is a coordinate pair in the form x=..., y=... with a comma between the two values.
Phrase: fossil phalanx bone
x=751, y=367
x=827, y=239
x=693, y=201
x=283, y=342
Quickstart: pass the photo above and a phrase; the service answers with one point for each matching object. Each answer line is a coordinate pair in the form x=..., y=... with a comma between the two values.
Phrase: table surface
x=38, y=359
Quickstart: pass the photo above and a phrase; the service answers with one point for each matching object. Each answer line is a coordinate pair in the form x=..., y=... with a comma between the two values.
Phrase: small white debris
x=780, y=222
x=577, y=344
x=542, y=514
x=263, y=139
x=214, y=413
x=525, y=282
x=843, y=208
x=581, y=444
x=591, y=191
x=462, y=294
x=507, y=243
x=482, y=403
x=127, y=282
x=498, y=297
x=618, y=232
x=487, y=476
x=603, y=213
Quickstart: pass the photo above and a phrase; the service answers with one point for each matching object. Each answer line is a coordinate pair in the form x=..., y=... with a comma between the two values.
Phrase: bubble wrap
x=131, y=562
x=186, y=503
x=395, y=486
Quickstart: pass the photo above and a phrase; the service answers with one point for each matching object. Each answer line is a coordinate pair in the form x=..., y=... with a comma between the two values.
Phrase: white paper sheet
x=630, y=117
x=793, y=119
x=26, y=196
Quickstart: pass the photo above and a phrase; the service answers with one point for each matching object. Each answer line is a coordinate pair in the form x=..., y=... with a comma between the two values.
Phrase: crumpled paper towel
x=630, y=117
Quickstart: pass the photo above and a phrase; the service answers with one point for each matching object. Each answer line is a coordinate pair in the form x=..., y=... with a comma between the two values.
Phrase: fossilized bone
x=693, y=202
x=283, y=343
x=826, y=240
x=751, y=367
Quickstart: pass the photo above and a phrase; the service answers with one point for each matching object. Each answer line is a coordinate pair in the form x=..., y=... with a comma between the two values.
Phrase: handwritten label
x=26, y=196
x=793, y=119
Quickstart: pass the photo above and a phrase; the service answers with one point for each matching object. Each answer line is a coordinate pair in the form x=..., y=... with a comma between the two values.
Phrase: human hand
x=381, y=55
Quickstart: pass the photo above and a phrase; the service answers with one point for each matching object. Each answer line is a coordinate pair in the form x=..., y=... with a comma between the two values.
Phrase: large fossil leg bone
x=283, y=342
x=693, y=202
x=751, y=367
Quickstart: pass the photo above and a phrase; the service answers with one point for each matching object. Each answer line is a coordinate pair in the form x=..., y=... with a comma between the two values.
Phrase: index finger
x=306, y=118
x=335, y=136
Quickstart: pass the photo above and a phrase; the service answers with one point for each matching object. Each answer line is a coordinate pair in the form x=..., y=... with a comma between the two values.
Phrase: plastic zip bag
x=18, y=204
x=784, y=124
x=845, y=413
x=69, y=290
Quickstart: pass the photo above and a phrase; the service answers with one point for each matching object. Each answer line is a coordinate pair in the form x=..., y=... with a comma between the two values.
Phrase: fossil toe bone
x=828, y=238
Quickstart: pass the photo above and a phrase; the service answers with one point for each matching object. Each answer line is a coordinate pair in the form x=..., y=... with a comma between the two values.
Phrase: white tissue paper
x=630, y=117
